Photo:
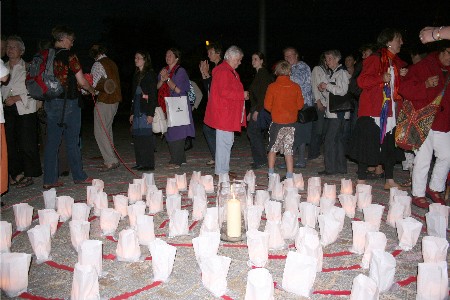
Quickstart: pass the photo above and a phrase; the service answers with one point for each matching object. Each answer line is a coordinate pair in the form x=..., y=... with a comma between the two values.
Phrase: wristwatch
x=168, y=79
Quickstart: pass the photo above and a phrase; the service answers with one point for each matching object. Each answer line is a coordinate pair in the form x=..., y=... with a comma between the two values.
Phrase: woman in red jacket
x=423, y=83
x=373, y=141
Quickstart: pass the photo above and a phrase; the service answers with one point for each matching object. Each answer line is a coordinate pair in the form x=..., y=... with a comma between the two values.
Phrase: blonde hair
x=282, y=68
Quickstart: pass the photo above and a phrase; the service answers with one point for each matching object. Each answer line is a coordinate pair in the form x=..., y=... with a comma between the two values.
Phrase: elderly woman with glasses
x=20, y=119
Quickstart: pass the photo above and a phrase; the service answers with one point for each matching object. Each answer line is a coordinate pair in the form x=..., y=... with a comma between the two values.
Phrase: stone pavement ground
x=53, y=279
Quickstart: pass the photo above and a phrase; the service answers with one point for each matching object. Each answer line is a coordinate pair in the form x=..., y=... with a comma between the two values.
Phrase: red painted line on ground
x=272, y=256
x=419, y=216
x=180, y=245
x=235, y=246
x=193, y=225
x=396, y=253
x=186, y=206
x=148, y=258
x=33, y=297
x=226, y=297
x=92, y=218
x=331, y=292
x=163, y=224
x=407, y=281
x=109, y=256
x=15, y=234
x=354, y=267
x=131, y=294
x=111, y=238
x=160, y=235
x=59, y=266
x=59, y=225
x=343, y=253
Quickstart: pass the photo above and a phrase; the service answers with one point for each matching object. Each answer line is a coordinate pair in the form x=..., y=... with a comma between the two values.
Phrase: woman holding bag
x=173, y=81
x=373, y=141
x=143, y=111
x=424, y=82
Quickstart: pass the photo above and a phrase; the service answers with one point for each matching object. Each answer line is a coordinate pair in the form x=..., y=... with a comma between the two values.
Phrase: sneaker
x=212, y=162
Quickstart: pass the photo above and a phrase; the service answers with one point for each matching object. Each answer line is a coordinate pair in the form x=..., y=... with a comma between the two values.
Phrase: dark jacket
x=258, y=88
x=148, y=86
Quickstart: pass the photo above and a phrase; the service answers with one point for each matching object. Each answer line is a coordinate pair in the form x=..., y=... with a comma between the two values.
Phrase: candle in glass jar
x=234, y=218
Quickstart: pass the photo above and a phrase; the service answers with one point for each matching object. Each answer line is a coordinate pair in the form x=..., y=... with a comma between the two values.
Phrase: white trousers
x=107, y=113
x=439, y=143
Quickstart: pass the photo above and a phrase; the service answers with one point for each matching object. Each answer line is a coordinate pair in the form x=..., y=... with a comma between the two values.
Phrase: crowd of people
x=375, y=86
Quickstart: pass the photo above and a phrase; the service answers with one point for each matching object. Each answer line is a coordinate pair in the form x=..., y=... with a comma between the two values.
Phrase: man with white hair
x=225, y=110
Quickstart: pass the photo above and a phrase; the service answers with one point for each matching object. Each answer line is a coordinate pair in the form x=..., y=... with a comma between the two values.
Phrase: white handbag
x=159, y=124
x=177, y=109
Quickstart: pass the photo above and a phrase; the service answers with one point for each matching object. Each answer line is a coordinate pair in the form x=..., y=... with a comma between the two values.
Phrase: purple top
x=181, y=79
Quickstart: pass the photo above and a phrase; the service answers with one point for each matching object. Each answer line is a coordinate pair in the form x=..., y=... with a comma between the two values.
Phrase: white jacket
x=341, y=78
x=16, y=86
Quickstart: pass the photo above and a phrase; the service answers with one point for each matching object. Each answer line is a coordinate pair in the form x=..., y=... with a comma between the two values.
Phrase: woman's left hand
x=403, y=71
x=255, y=116
x=149, y=119
x=246, y=97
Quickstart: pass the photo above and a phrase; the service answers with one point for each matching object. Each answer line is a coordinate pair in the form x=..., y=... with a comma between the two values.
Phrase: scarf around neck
x=164, y=90
x=387, y=60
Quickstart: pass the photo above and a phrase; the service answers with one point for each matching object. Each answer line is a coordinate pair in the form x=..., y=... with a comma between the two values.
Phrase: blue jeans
x=71, y=133
x=224, y=140
x=256, y=137
x=210, y=136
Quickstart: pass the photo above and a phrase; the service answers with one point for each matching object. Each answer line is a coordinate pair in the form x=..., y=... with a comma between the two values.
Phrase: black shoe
x=145, y=168
x=136, y=167
x=325, y=172
x=64, y=174
x=188, y=144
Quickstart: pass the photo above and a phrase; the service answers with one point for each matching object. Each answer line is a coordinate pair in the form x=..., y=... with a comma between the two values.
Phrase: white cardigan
x=341, y=78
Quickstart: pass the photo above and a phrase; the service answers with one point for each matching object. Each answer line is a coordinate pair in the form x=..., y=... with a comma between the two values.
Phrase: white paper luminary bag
x=374, y=241
x=250, y=180
x=261, y=197
x=276, y=241
x=259, y=285
x=346, y=186
x=173, y=202
x=382, y=269
x=277, y=191
x=155, y=202
x=91, y=192
x=181, y=182
x=149, y=179
x=23, y=214
x=372, y=214
x=90, y=253
x=14, y=273
x=199, y=208
x=298, y=181
x=348, y=203
x=206, y=245
x=405, y=201
x=142, y=184
x=40, y=241
x=134, y=192
x=326, y=204
x=329, y=191
x=289, y=225
x=5, y=236
x=299, y=283
x=163, y=257
x=145, y=229
x=394, y=191
x=128, y=246
x=313, y=195
x=80, y=212
x=273, y=179
x=364, y=288
x=109, y=220
x=434, y=249
x=258, y=247
x=273, y=211
x=49, y=198
x=408, y=231
x=192, y=184
x=253, y=218
x=432, y=281
x=121, y=205
x=394, y=214
x=179, y=223
x=99, y=184
x=208, y=183
x=436, y=224
x=302, y=233
x=100, y=202
x=311, y=246
x=49, y=216
x=214, y=274
x=329, y=229
x=360, y=229
x=79, y=232
x=440, y=209
x=308, y=214
x=211, y=221
x=85, y=283
x=292, y=201
x=196, y=175
x=315, y=182
x=135, y=210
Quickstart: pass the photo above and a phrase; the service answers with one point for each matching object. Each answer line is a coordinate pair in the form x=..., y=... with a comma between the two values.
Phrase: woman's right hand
x=432, y=81
x=131, y=119
x=386, y=77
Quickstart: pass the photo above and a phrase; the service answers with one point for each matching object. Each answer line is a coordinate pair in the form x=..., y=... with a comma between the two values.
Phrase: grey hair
x=335, y=53
x=18, y=39
x=233, y=51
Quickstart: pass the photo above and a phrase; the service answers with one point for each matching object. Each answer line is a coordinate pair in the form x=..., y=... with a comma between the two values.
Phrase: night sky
x=312, y=26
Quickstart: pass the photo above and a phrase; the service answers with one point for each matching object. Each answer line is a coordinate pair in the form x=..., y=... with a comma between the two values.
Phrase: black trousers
x=177, y=153
x=144, y=150
x=22, y=142
x=256, y=137
x=334, y=154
